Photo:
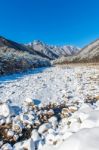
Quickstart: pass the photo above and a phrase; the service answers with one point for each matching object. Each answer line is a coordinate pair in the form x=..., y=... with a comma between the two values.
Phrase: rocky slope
x=89, y=53
x=15, y=57
x=52, y=52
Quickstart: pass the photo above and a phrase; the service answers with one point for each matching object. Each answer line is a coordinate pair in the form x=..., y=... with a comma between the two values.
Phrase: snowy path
x=51, y=84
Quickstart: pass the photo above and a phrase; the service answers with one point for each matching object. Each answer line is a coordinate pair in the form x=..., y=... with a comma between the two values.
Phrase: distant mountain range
x=15, y=57
x=52, y=52
x=88, y=54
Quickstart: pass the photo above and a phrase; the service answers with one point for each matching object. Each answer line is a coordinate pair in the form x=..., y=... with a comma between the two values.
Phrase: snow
x=86, y=139
x=35, y=135
x=44, y=128
x=7, y=146
x=28, y=144
x=79, y=137
x=78, y=127
x=50, y=84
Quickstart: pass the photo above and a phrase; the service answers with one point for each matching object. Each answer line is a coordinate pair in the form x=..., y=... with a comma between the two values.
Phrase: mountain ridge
x=90, y=53
x=16, y=57
x=52, y=51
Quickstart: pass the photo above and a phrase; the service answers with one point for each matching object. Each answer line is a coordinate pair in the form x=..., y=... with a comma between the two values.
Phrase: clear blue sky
x=57, y=22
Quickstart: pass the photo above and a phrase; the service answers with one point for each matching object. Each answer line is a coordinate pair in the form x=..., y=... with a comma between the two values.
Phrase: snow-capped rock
x=5, y=110
x=44, y=128
x=50, y=139
x=2, y=120
x=7, y=146
x=35, y=135
x=27, y=144
x=53, y=121
x=8, y=120
x=17, y=126
x=29, y=100
x=10, y=133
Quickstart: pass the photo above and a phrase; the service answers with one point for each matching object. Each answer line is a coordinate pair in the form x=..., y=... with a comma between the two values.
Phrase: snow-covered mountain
x=52, y=52
x=90, y=53
x=15, y=57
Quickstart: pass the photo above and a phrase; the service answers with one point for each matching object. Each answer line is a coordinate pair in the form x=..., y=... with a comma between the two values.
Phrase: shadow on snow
x=15, y=76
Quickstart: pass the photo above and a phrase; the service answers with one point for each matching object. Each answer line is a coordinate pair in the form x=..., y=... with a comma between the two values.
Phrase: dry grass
x=91, y=65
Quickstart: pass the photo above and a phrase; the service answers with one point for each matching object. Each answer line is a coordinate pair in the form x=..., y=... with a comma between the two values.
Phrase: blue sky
x=56, y=22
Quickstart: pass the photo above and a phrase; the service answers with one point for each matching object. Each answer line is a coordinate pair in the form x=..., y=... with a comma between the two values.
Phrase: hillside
x=15, y=57
x=89, y=53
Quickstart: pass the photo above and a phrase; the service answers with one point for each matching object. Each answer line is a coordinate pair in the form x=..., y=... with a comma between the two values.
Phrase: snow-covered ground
x=70, y=121
x=51, y=84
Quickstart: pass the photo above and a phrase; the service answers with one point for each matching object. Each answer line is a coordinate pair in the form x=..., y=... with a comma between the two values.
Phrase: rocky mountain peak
x=52, y=51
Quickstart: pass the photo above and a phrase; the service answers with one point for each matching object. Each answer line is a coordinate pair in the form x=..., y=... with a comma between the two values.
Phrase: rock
x=17, y=127
x=44, y=128
x=5, y=110
x=40, y=144
x=53, y=121
x=24, y=117
x=8, y=120
x=28, y=126
x=2, y=120
x=35, y=135
x=15, y=137
x=27, y=144
x=8, y=101
x=7, y=146
x=73, y=109
x=65, y=112
x=50, y=112
x=97, y=98
x=10, y=133
x=29, y=101
x=50, y=139
x=1, y=143
x=37, y=122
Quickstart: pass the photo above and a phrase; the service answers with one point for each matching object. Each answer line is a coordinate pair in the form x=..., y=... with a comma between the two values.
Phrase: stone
x=5, y=110
x=10, y=133
x=43, y=128
x=27, y=144
x=7, y=146
x=35, y=135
